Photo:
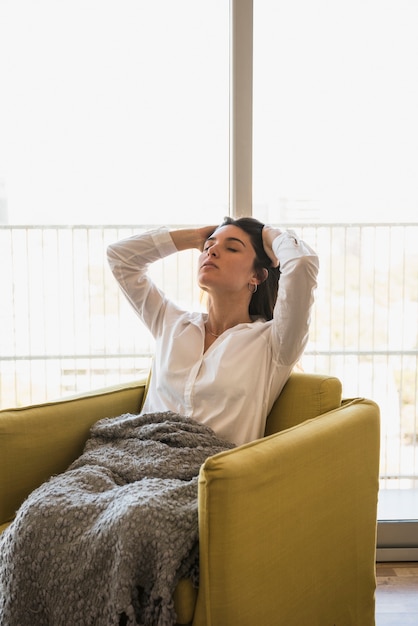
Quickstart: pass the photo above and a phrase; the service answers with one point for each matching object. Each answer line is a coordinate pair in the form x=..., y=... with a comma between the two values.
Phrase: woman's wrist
x=184, y=238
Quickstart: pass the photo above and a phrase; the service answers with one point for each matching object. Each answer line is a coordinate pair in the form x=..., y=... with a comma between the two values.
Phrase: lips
x=208, y=264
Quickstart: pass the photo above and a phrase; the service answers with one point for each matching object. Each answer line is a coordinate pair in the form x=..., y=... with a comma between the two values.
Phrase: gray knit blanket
x=106, y=542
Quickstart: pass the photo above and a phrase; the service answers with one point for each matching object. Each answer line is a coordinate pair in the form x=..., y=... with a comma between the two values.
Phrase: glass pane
x=113, y=112
x=335, y=110
x=336, y=146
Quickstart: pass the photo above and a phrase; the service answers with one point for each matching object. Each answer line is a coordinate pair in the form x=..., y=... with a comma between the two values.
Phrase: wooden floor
x=397, y=594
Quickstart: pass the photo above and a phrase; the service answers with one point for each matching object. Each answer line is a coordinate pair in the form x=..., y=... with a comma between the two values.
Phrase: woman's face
x=227, y=261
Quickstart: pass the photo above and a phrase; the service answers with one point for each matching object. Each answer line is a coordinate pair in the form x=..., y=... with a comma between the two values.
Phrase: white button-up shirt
x=232, y=386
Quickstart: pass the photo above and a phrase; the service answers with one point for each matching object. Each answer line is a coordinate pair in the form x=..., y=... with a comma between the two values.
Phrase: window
x=117, y=113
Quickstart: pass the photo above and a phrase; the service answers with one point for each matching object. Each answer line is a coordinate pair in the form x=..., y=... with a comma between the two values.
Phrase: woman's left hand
x=269, y=234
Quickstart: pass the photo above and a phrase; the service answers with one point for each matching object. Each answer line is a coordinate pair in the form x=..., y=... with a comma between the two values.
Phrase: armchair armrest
x=287, y=525
x=41, y=440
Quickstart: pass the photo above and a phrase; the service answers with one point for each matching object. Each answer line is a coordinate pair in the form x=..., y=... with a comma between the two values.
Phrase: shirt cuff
x=285, y=239
x=163, y=241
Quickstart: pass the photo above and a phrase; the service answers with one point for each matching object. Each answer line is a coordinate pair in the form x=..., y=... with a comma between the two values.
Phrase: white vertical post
x=241, y=107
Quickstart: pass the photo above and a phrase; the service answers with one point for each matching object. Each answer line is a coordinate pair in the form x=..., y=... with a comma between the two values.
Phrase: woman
x=224, y=368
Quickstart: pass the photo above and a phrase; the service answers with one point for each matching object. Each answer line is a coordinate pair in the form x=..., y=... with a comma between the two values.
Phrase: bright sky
x=337, y=112
x=117, y=112
x=113, y=111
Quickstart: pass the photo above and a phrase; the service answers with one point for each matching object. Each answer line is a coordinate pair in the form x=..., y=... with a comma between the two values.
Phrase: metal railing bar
x=141, y=226
x=361, y=353
x=124, y=355
x=61, y=357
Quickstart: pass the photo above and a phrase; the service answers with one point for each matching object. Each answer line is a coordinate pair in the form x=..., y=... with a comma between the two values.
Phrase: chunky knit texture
x=113, y=534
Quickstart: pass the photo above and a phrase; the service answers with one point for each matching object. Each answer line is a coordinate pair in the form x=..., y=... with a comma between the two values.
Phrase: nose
x=213, y=250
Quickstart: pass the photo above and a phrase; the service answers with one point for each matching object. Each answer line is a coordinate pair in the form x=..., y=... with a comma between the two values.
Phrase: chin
x=203, y=285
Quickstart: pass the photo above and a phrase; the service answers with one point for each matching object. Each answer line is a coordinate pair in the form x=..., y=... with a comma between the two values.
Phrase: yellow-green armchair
x=287, y=524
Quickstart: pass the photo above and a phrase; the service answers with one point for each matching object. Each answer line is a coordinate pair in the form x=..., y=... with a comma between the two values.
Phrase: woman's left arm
x=299, y=266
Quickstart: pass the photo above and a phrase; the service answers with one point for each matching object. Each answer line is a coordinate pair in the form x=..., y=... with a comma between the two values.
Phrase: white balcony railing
x=65, y=328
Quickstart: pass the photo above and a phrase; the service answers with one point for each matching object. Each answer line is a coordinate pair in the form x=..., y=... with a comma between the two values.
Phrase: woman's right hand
x=187, y=238
x=204, y=233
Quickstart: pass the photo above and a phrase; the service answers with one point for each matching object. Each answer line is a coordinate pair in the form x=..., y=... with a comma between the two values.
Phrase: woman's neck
x=222, y=318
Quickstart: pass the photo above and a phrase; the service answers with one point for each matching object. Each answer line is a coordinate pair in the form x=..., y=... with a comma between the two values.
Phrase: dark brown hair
x=263, y=301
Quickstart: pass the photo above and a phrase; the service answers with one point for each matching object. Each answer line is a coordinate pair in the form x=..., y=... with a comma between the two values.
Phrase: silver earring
x=254, y=288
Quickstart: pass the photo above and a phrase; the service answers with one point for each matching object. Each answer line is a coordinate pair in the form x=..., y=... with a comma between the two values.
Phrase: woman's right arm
x=129, y=260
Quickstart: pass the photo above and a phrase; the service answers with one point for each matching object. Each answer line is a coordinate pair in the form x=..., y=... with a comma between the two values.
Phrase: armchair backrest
x=303, y=397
